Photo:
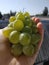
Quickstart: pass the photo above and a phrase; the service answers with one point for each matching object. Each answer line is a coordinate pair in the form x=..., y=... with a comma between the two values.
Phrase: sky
x=32, y=6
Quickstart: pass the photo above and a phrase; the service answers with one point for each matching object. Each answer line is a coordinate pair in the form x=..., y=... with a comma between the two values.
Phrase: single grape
x=34, y=29
x=27, y=29
x=16, y=50
x=26, y=14
x=18, y=25
x=10, y=24
x=35, y=38
x=18, y=13
x=12, y=19
x=7, y=31
x=25, y=38
x=14, y=37
x=28, y=50
x=20, y=16
x=33, y=23
x=27, y=21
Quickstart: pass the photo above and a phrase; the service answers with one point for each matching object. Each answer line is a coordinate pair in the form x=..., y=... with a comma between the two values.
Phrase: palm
x=7, y=59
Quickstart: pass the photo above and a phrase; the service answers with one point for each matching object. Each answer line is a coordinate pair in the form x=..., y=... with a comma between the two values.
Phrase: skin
x=6, y=57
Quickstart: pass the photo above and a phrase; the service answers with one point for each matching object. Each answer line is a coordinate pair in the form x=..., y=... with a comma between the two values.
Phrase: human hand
x=7, y=59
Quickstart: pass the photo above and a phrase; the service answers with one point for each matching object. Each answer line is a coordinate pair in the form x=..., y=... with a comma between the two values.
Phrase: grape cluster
x=22, y=34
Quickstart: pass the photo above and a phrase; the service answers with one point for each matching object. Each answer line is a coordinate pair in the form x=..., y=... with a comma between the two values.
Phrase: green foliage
x=0, y=15
x=45, y=11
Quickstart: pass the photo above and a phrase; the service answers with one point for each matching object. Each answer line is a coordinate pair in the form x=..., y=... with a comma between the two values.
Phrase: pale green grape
x=12, y=19
x=18, y=25
x=28, y=50
x=27, y=21
x=16, y=50
x=20, y=16
x=35, y=38
x=7, y=31
x=34, y=29
x=27, y=14
x=27, y=29
x=25, y=38
x=10, y=24
x=14, y=37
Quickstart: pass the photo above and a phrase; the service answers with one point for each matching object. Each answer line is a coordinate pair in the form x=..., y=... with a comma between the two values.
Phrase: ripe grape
x=20, y=16
x=27, y=21
x=14, y=37
x=35, y=38
x=27, y=29
x=28, y=50
x=26, y=14
x=34, y=29
x=7, y=31
x=16, y=50
x=18, y=25
x=25, y=38
x=10, y=24
x=12, y=19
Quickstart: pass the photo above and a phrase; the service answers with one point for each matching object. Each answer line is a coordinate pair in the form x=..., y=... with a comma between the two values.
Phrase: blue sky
x=32, y=6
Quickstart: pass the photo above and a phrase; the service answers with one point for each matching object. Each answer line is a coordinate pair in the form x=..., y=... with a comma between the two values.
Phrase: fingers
x=36, y=20
x=40, y=27
x=33, y=18
x=39, y=24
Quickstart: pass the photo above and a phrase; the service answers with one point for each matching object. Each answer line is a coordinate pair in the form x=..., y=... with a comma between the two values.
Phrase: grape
x=28, y=50
x=33, y=22
x=35, y=38
x=34, y=29
x=23, y=34
x=18, y=25
x=10, y=24
x=20, y=16
x=25, y=38
x=7, y=31
x=12, y=19
x=27, y=29
x=26, y=14
x=16, y=50
x=18, y=13
x=14, y=37
x=27, y=22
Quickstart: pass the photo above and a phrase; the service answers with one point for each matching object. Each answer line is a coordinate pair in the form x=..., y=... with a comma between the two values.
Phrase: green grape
x=28, y=50
x=27, y=29
x=16, y=50
x=14, y=37
x=27, y=14
x=34, y=29
x=27, y=22
x=12, y=19
x=33, y=23
x=7, y=31
x=20, y=16
x=18, y=13
x=10, y=24
x=35, y=38
x=25, y=38
x=18, y=25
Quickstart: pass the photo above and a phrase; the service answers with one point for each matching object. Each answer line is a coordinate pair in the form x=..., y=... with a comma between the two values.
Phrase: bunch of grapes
x=22, y=34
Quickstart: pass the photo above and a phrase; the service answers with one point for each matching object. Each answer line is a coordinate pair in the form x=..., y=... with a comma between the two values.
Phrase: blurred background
x=34, y=7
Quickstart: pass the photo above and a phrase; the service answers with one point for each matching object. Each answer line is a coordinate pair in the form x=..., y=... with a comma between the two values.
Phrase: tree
x=0, y=15
x=12, y=13
x=45, y=11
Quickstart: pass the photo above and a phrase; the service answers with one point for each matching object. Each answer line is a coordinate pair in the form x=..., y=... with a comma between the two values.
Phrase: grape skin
x=16, y=50
x=14, y=37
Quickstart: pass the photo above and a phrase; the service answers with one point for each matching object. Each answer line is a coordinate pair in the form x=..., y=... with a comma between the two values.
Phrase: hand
x=7, y=59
